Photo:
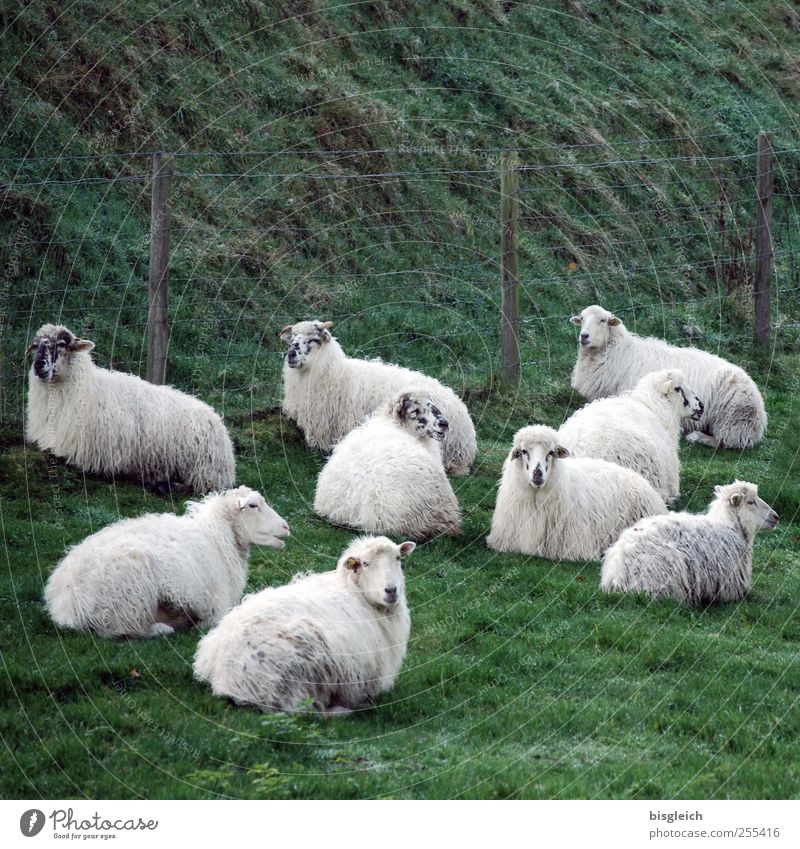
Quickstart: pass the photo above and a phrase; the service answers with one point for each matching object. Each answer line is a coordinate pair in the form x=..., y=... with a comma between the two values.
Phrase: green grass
x=521, y=678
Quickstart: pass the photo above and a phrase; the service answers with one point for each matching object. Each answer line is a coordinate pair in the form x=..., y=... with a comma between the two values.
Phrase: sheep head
x=536, y=449
x=596, y=326
x=304, y=340
x=741, y=499
x=418, y=414
x=260, y=523
x=55, y=346
x=373, y=566
x=671, y=385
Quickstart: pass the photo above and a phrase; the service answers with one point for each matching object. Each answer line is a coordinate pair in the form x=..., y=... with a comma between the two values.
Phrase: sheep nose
x=584, y=337
x=537, y=475
x=444, y=424
x=391, y=593
x=285, y=529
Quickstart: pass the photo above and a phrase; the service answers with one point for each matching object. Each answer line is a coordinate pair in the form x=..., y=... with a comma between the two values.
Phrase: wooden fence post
x=509, y=261
x=157, y=328
x=763, y=269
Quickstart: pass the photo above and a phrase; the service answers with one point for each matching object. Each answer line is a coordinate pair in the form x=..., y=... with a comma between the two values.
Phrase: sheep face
x=419, y=415
x=262, y=525
x=671, y=384
x=55, y=345
x=373, y=566
x=742, y=499
x=595, y=324
x=536, y=449
x=304, y=340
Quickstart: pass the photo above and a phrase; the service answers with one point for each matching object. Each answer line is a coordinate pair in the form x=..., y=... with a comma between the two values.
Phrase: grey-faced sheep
x=387, y=475
x=639, y=429
x=112, y=423
x=328, y=393
x=697, y=559
x=145, y=577
x=611, y=360
x=564, y=508
x=336, y=639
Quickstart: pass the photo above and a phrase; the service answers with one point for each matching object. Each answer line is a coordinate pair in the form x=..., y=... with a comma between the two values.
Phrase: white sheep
x=387, y=475
x=564, y=508
x=336, y=639
x=112, y=423
x=639, y=429
x=145, y=577
x=328, y=393
x=611, y=360
x=698, y=559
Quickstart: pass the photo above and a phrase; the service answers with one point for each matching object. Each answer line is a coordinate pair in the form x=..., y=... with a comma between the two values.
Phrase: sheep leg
x=159, y=629
x=674, y=502
x=697, y=437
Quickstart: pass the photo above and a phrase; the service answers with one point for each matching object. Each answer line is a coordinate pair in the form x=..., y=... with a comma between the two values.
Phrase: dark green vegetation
x=521, y=679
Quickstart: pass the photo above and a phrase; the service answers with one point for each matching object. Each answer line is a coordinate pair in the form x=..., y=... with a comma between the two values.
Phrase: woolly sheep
x=696, y=559
x=336, y=639
x=611, y=360
x=112, y=423
x=639, y=429
x=387, y=474
x=564, y=508
x=145, y=577
x=328, y=393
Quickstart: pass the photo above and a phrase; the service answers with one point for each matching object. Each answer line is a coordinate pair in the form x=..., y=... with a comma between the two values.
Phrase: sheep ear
x=81, y=345
x=515, y=453
x=352, y=563
x=613, y=321
x=667, y=388
x=576, y=320
x=562, y=452
x=242, y=503
x=326, y=325
x=32, y=347
x=717, y=490
x=286, y=334
x=736, y=499
x=406, y=548
x=400, y=409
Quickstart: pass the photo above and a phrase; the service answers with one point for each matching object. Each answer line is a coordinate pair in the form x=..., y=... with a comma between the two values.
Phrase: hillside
x=342, y=162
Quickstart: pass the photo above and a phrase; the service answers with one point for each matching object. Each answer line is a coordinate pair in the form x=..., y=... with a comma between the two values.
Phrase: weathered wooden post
x=763, y=270
x=509, y=262
x=157, y=328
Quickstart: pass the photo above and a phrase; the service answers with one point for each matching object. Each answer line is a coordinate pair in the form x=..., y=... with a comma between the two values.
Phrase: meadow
x=522, y=680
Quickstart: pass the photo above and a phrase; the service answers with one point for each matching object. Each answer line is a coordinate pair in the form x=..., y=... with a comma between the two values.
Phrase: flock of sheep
x=597, y=488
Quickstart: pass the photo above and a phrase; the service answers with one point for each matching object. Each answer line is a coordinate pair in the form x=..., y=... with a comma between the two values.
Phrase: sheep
x=639, y=429
x=328, y=393
x=387, y=474
x=697, y=559
x=336, y=638
x=147, y=576
x=564, y=508
x=611, y=360
x=112, y=423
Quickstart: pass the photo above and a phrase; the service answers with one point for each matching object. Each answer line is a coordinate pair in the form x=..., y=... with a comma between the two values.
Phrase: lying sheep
x=696, y=559
x=611, y=360
x=145, y=577
x=564, y=508
x=336, y=639
x=328, y=393
x=112, y=423
x=387, y=474
x=639, y=429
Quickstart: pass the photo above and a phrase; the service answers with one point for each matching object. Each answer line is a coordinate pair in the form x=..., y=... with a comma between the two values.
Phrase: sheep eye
x=602, y=321
x=751, y=502
x=254, y=506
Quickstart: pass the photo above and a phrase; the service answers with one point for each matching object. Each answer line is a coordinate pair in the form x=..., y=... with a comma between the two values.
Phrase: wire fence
x=680, y=226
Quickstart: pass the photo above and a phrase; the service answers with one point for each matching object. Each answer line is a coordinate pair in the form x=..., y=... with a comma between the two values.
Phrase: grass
x=522, y=680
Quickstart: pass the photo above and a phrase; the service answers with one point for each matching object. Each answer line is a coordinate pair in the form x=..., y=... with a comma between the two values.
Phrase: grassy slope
x=521, y=679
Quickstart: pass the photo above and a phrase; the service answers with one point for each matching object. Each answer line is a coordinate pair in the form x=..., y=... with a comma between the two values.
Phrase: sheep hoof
x=167, y=487
x=455, y=531
x=697, y=437
x=159, y=629
x=675, y=503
